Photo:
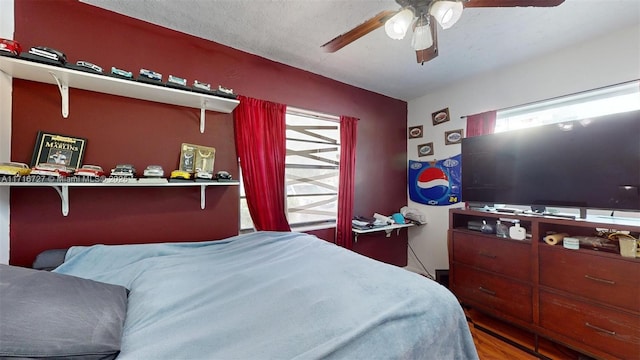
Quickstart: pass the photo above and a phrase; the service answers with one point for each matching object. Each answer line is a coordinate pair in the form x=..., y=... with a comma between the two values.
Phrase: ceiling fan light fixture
x=422, y=37
x=396, y=27
x=446, y=12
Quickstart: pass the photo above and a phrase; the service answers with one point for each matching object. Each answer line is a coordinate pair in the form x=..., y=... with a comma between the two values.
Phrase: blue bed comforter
x=271, y=295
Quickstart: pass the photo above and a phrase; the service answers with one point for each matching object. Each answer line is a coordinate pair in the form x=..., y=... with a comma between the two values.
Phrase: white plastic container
x=571, y=243
x=516, y=232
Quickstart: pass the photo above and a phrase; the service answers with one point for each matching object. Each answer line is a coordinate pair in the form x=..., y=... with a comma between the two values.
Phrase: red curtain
x=348, y=130
x=261, y=145
x=481, y=124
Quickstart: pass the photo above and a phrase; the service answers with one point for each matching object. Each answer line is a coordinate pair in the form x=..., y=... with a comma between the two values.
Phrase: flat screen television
x=591, y=163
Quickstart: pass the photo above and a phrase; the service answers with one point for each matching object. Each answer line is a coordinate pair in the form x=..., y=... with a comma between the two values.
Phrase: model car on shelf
x=90, y=171
x=121, y=73
x=153, y=171
x=90, y=66
x=197, y=85
x=55, y=170
x=225, y=90
x=147, y=75
x=14, y=169
x=205, y=175
x=223, y=176
x=174, y=80
x=124, y=170
x=180, y=174
x=49, y=53
x=10, y=47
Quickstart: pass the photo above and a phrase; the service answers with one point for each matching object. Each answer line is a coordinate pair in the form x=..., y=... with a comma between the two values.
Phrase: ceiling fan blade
x=359, y=31
x=429, y=53
x=512, y=3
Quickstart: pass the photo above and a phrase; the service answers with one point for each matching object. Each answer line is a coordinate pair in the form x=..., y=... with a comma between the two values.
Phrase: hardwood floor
x=495, y=340
x=492, y=348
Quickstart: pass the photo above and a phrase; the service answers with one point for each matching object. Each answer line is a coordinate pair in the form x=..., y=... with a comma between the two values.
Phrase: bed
x=264, y=295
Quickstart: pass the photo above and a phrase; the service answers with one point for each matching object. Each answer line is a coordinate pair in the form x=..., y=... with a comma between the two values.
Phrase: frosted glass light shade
x=446, y=13
x=396, y=27
x=422, y=37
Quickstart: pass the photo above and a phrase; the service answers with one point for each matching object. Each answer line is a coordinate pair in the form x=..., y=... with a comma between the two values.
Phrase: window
x=604, y=101
x=311, y=170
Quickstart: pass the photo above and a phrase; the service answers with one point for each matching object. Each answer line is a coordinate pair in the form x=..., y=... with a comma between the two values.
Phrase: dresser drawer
x=506, y=257
x=493, y=292
x=605, y=279
x=613, y=332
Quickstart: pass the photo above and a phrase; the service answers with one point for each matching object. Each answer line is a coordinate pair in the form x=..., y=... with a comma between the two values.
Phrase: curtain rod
x=557, y=97
x=295, y=110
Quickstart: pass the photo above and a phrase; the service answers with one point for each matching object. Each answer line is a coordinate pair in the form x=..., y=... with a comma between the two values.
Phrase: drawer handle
x=596, y=328
x=600, y=280
x=482, y=253
x=487, y=291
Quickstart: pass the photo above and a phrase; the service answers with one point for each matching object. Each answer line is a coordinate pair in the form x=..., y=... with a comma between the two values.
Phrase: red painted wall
x=121, y=130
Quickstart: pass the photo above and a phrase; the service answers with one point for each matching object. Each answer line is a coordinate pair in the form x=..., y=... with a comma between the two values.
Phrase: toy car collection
x=127, y=171
x=90, y=171
x=121, y=172
x=48, y=53
x=14, y=169
x=121, y=73
x=149, y=75
x=54, y=170
x=10, y=47
x=90, y=66
x=153, y=171
x=124, y=170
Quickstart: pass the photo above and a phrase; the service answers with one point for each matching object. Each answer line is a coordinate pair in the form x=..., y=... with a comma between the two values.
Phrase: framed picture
x=453, y=136
x=195, y=158
x=188, y=157
x=415, y=132
x=425, y=149
x=440, y=116
x=58, y=149
x=205, y=157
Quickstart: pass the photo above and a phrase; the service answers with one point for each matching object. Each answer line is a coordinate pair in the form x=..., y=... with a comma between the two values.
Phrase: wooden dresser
x=585, y=299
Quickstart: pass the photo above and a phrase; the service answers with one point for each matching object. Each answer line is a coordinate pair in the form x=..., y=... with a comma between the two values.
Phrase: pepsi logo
x=433, y=183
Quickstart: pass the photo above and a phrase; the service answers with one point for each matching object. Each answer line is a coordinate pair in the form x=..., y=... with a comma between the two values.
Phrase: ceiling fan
x=422, y=16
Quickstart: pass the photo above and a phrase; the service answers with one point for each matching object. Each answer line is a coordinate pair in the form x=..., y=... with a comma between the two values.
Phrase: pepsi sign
x=435, y=183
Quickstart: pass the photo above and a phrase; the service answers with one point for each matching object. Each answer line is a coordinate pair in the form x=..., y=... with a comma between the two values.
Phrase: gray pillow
x=56, y=316
x=49, y=259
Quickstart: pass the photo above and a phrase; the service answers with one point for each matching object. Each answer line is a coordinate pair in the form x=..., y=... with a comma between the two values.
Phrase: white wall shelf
x=62, y=188
x=387, y=229
x=65, y=78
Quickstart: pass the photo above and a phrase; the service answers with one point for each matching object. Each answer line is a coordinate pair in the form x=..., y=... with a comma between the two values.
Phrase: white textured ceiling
x=292, y=31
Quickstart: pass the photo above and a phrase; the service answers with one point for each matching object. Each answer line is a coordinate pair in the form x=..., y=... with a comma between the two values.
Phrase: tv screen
x=589, y=163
